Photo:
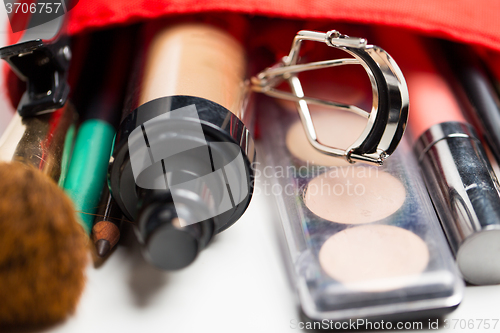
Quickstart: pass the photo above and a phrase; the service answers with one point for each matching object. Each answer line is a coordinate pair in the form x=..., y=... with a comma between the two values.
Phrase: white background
x=238, y=284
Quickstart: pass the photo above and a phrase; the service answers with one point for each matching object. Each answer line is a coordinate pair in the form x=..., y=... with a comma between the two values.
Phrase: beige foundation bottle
x=182, y=160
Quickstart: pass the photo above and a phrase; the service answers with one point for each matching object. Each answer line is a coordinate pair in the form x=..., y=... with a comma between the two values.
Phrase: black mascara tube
x=476, y=92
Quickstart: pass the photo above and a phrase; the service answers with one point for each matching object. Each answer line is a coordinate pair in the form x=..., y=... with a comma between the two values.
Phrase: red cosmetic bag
x=475, y=23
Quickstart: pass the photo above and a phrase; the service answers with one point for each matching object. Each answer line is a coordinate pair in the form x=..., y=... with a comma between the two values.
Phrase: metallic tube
x=41, y=141
x=466, y=195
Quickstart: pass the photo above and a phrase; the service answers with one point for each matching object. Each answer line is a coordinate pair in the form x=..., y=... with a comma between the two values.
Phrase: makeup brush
x=43, y=250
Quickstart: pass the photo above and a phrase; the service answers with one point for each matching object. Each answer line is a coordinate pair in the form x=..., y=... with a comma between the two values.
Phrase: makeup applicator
x=43, y=249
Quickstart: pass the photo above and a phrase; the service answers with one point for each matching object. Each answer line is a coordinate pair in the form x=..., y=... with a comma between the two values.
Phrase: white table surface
x=238, y=284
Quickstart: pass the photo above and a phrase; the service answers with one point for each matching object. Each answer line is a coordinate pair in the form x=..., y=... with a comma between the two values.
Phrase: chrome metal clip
x=387, y=119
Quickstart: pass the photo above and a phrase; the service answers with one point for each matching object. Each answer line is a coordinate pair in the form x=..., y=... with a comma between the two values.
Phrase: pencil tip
x=102, y=246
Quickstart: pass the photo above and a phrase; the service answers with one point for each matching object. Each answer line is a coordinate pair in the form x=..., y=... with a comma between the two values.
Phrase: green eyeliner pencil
x=87, y=170
x=99, y=97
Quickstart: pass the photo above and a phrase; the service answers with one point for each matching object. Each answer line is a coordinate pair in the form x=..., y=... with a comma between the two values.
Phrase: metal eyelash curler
x=388, y=116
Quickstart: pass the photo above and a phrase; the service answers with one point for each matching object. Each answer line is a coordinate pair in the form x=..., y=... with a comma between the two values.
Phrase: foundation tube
x=181, y=166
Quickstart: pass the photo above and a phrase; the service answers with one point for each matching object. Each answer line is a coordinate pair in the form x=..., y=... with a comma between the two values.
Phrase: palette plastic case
x=433, y=293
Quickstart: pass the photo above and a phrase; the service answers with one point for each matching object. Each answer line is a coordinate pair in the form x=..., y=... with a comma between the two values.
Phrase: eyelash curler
x=386, y=122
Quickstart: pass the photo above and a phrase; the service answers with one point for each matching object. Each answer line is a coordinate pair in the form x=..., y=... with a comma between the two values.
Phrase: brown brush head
x=43, y=249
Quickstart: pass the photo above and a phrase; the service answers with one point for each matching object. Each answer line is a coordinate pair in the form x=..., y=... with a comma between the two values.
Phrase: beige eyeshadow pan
x=354, y=194
x=374, y=257
x=334, y=128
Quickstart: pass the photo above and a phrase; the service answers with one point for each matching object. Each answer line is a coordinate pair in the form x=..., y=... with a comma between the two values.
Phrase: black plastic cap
x=170, y=248
x=167, y=242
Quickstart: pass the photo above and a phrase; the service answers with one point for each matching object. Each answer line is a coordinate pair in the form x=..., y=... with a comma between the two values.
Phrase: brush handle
x=43, y=142
x=88, y=167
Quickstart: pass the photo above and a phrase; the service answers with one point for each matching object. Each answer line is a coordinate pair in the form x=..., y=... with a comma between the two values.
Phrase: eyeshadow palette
x=363, y=241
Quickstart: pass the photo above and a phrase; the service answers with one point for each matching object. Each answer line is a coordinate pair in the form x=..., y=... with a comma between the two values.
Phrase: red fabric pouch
x=473, y=22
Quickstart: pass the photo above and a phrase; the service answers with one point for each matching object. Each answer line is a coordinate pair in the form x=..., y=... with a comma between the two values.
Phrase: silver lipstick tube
x=466, y=195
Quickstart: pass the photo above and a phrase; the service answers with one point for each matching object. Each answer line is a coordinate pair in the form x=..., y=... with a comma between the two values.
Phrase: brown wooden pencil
x=106, y=230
